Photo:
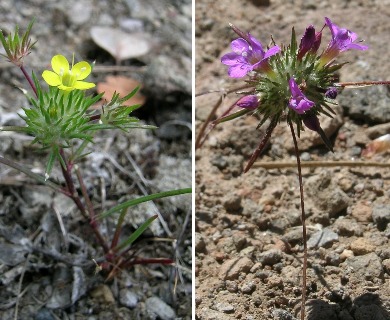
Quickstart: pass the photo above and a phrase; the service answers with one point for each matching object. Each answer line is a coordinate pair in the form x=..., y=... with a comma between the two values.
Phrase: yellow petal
x=82, y=85
x=59, y=64
x=81, y=70
x=51, y=78
x=65, y=88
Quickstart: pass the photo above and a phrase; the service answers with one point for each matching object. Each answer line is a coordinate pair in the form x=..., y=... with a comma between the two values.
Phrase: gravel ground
x=45, y=275
x=248, y=231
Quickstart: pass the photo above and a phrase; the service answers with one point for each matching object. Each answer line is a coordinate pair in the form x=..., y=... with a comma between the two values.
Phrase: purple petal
x=248, y=102
x=272, y=51
x=239, y=46
x=300, y=104
x=307, y=41
x=295, y=91
x=256, y=45
x=357, y=46
x=232, y=58
x=298, y=101
x=239, y=70
x=333, y=28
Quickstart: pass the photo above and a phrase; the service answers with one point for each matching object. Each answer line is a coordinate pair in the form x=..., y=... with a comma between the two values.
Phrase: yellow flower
x=68, y=79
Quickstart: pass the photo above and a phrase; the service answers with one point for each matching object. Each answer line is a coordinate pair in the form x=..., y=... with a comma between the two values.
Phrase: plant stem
x=92, y=216
x=148, y=261
x=118, y=228
x=66, y=171
x=319, y=164
x=28, y=78
x=303, y=219
x=362, y=83
x=90, y=209
x=202, y=135
x=262, y=144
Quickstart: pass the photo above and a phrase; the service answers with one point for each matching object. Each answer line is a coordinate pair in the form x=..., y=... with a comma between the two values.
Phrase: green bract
x=17, y=47
x=56, y=117
x=274, y=91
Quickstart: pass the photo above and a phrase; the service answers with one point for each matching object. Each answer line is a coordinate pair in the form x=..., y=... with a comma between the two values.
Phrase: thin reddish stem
x=201, y=135
x=303, y=219
x=28, y=78
x=362, y=83
x=91, y=211
x=262, y=144
x=149, y=261
x=118, y=229
x=66, y=171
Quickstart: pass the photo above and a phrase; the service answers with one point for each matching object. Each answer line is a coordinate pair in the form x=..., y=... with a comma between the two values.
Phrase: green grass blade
x=150, y=197
x=136, y=234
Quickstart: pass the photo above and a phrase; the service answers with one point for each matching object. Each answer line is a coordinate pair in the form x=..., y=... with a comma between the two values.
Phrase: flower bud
x=248, y=102
x=310, y=42
x=331, y=93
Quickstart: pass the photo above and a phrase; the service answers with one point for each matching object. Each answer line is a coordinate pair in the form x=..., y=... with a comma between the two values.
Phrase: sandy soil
x=248, y=230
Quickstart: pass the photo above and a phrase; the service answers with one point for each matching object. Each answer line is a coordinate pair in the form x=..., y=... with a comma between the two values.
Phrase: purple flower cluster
x=248, y=54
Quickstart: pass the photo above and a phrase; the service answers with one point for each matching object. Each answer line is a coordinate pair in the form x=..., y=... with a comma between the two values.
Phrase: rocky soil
x=46, y=268
x=248, y=229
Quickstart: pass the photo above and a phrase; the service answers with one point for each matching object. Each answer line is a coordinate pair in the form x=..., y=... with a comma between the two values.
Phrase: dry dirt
x=46, y=269
x=248, y=230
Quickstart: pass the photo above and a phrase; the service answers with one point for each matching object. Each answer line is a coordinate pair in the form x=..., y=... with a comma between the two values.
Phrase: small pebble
x=232, y=203
x=348, y=227
x=270, y=257
x=381, y=216
x=158, y=308
x=323, y=238
x=224, y=307
x=361, y=246
x=346, y=254
x=362, y=212
x=332, y=258
x=200, y=244
x=231, y=286
x=280, y=314
x=231, y=269
x=248, y=287
x=44, y=314
x=386, y=265
x=275, y=281
x=366, y=267
x=359, y=188
x=128, y=298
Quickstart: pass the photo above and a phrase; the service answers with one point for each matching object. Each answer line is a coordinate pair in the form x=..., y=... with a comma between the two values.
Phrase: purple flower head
x=310, y=42
x=248, y=102
x=247, y=55
x=331, y=93
x=298, y=101
x=342, y=40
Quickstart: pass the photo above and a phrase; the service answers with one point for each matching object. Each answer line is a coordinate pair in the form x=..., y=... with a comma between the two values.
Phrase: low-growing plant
x=293, y=83
x=62, y=122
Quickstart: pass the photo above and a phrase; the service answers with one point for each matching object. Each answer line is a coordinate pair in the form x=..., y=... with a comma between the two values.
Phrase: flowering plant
x=294, y=83
x=61, y=121
x=291, y=83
